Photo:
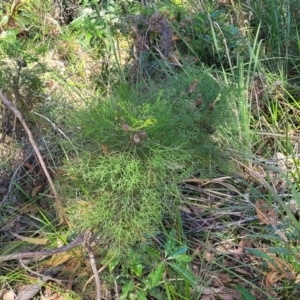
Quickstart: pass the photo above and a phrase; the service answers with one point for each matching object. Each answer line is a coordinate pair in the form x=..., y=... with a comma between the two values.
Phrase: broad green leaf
x=183, y=258
x=127, y=287
x=170, y=242
x=153, y=253
x=141, y=295
x=156, y=275
x=156, y=293
x=137, y=269
x=184, y=273
x=246, y=295
x=114, y=262
x=177, y=252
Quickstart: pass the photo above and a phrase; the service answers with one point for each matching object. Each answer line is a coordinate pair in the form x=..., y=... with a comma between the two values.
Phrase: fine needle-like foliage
x=145, y=140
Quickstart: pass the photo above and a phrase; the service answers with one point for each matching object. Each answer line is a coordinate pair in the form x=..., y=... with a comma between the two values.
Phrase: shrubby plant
x=20, y=76
x=148, y=269
x=138, y=145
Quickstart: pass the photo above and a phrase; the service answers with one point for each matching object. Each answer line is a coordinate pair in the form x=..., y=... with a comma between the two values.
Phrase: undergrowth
x=171, y=130
x=143, y=141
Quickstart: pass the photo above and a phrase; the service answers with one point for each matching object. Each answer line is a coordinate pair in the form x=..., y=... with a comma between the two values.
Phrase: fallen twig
x=43, y=277
x=86, y=244
x=99, y=271
x=19, y=116
x=44, y=253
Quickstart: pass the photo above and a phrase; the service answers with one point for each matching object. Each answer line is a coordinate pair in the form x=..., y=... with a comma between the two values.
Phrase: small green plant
x=20, y=75
x=149, y=271
x=90, y=26
x=135, y=147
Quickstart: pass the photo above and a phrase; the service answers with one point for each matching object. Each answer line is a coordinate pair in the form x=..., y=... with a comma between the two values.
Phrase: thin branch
x=43, y=277
x=18, y=115
x=86, y=244
x=116, y=289
x=77, y=242
x=99, y=271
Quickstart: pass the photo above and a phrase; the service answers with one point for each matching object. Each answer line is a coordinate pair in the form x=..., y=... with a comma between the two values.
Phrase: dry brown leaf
x=273, y=277
x=185, y=209
x=27, y=165
x=29, y=292
x=265, y=213
x=210, y=291
x=35, y=190
x=10, y=295
x=28, y=208
x=279, y=264
x=243, y=271
x=53, y=296
x=10, y=223
x=208, y=297
x=59, y=259
x=222, y=293
x=105, y=149
x=221, y=279
x=36, y=241
x=280, y=270
x=230, y=295
x=195, y=270
x=208, y=255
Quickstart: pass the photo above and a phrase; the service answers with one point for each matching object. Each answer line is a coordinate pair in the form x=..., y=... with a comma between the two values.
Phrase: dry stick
x=116, y=289
x=18, y=115
x=77, y=242
x=33, y=289
x=99, y=271
x=94, y=269
x=42, y=277
x=86, y=244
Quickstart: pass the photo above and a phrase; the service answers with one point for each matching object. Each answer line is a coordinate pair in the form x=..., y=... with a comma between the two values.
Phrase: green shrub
x=20, y=73
x=136, y=146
